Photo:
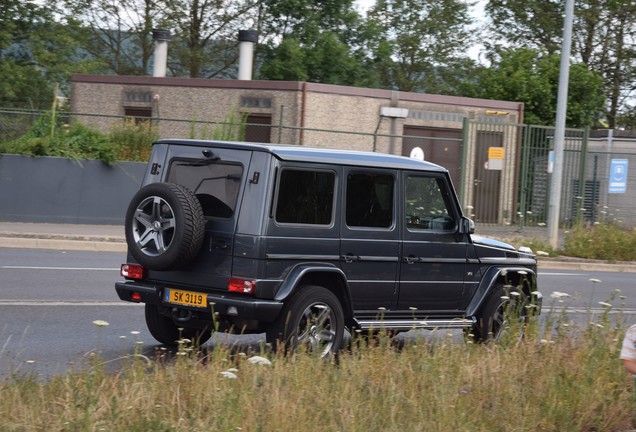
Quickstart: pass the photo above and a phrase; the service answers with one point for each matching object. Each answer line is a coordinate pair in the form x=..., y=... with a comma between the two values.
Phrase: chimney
x=161, y=38
x=247, y=39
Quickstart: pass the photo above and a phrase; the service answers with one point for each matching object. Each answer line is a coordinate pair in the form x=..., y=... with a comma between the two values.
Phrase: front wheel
x=313, y=320
x=504, y=307
x=166, y=332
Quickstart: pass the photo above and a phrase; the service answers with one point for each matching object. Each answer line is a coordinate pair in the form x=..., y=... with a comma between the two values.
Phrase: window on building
x=140, y=114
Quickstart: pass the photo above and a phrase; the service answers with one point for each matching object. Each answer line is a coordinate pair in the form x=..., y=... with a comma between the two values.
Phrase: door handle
x=411, y=259
x=349, y=257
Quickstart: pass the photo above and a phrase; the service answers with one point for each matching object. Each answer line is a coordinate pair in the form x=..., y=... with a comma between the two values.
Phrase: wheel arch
x=512, y=276
x=319, y=274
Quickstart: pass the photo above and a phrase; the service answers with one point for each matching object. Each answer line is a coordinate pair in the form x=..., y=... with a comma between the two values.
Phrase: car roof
x=297, y=153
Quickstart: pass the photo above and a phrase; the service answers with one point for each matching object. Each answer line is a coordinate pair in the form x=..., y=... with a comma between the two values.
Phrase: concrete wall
x=59, y=190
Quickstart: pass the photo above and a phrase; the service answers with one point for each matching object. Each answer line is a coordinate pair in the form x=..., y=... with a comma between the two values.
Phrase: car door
x=369, y=246
x=433, y=257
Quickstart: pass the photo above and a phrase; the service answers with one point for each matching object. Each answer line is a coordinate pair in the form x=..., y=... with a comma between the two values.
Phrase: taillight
x=132, y=271
x=241, y=286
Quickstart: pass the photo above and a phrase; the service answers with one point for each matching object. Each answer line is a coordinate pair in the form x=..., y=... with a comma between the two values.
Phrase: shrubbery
x=52, y=135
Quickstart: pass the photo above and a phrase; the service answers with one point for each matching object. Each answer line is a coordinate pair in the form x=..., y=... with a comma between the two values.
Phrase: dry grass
x=574, y=382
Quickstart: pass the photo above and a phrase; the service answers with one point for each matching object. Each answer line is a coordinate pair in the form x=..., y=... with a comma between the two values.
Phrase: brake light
x=132, y=271
x=241, y=286
x=135, y=297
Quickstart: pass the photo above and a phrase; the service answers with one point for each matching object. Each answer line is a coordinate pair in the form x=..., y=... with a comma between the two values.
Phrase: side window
x=216, y=185
x=427, y=205
x=305, y=197
x=370, y=200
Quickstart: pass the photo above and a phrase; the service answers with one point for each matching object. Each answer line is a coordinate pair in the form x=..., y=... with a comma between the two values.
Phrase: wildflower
x=30, y=361
x=228, y=374
x=542, y=253
x=515, y=294
x=122, y=337
x=505, y=298
x=100, y=323
x=535, y=293
x=605, y=304
x=463, y=391
x=522, y=272
x=595, y=281
x=412, y=308
x=559, y=295
x=134, y=332
x=542, y=224
x=232, y=370
x=258, y=360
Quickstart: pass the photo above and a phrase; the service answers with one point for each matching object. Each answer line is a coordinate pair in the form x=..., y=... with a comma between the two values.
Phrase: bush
x=606, y=241
x=51, y=136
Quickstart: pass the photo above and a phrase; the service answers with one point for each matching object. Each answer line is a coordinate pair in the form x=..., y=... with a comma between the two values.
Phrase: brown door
x=440, y=146
x=258, y=128
x=487, y=182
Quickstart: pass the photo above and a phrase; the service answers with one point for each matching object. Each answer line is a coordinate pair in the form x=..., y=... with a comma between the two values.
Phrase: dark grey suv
x=305, y=243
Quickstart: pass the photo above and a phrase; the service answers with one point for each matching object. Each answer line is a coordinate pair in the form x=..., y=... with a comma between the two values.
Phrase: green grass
x=569, y=381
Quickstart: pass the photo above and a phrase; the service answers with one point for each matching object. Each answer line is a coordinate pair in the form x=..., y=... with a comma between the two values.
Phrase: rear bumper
x=247, y=308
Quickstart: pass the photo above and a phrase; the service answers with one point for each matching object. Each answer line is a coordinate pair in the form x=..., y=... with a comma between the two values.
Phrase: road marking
x=58, y=268
x=65, y=303
x=561, y=274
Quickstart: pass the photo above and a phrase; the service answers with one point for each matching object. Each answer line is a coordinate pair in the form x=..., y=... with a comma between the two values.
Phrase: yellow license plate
x=187, y=298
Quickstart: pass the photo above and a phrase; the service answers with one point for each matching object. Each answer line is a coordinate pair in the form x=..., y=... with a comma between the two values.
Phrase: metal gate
x=506, y=176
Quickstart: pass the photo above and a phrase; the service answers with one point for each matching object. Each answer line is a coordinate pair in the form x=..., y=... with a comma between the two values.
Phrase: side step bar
x=412, y=324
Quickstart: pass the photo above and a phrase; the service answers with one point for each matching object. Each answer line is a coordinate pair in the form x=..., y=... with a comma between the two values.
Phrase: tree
x=319, y=42
x=604, y=38
x=206, y=31
x=413, y=43
x=117, y=32
x=36, y=51
x=529, y=76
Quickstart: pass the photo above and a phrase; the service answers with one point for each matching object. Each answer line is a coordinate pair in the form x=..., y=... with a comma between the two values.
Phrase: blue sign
x=618, y=176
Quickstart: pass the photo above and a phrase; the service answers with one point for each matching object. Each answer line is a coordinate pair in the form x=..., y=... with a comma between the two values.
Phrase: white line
x=64, y=303
x=561, y=274
x=58, y=268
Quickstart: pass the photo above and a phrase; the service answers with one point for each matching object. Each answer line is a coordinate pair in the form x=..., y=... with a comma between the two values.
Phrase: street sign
x=618, y=176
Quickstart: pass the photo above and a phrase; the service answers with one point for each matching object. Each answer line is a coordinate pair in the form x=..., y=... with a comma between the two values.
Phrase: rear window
x=216, y=185
x=305, y=197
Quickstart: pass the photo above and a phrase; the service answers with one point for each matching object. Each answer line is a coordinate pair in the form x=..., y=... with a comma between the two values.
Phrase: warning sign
x=495, y=158
x=495, y=152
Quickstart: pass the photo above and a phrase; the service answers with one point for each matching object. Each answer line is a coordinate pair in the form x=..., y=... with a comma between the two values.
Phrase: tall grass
x=572, y=381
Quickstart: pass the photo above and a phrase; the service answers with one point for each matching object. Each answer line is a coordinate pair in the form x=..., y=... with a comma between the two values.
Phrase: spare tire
x=164, y=226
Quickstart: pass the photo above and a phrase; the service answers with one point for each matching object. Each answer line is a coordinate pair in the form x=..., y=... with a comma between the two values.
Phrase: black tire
x=165, y=226
x=312, y=319
x=166, y=332
x=503, y=304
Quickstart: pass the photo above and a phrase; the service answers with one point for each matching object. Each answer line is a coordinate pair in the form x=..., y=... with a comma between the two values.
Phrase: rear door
x=216, y=176
x=369, y=246
x=433, y=263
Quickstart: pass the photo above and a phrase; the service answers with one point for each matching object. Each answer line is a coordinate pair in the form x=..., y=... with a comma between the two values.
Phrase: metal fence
x=501, y=170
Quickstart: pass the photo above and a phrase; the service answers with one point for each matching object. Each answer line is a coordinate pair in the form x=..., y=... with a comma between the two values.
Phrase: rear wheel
x=312, y=320
x=165, y=331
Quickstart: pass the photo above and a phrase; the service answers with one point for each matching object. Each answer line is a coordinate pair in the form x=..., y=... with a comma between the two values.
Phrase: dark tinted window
x=370, y=200
x=305, y=197
x=216, y=185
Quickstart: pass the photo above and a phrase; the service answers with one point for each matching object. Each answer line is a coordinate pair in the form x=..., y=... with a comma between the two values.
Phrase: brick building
x=420, y=125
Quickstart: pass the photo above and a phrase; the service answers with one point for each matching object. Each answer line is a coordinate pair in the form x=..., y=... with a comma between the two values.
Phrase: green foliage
x=604, y=241
x=50, y=136
x=232, y=128
x=531, y=77
x=567, y=381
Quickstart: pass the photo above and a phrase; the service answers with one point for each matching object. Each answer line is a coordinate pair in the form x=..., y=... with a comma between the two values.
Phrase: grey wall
x=59, y=190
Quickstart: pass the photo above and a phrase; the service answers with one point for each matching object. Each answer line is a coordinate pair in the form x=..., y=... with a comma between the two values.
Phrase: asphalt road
x=49, y=300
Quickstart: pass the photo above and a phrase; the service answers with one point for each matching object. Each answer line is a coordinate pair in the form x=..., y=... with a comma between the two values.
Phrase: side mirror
x=466, y=226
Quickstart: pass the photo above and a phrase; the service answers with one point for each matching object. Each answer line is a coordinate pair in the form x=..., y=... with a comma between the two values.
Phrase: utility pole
x=554, y=208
